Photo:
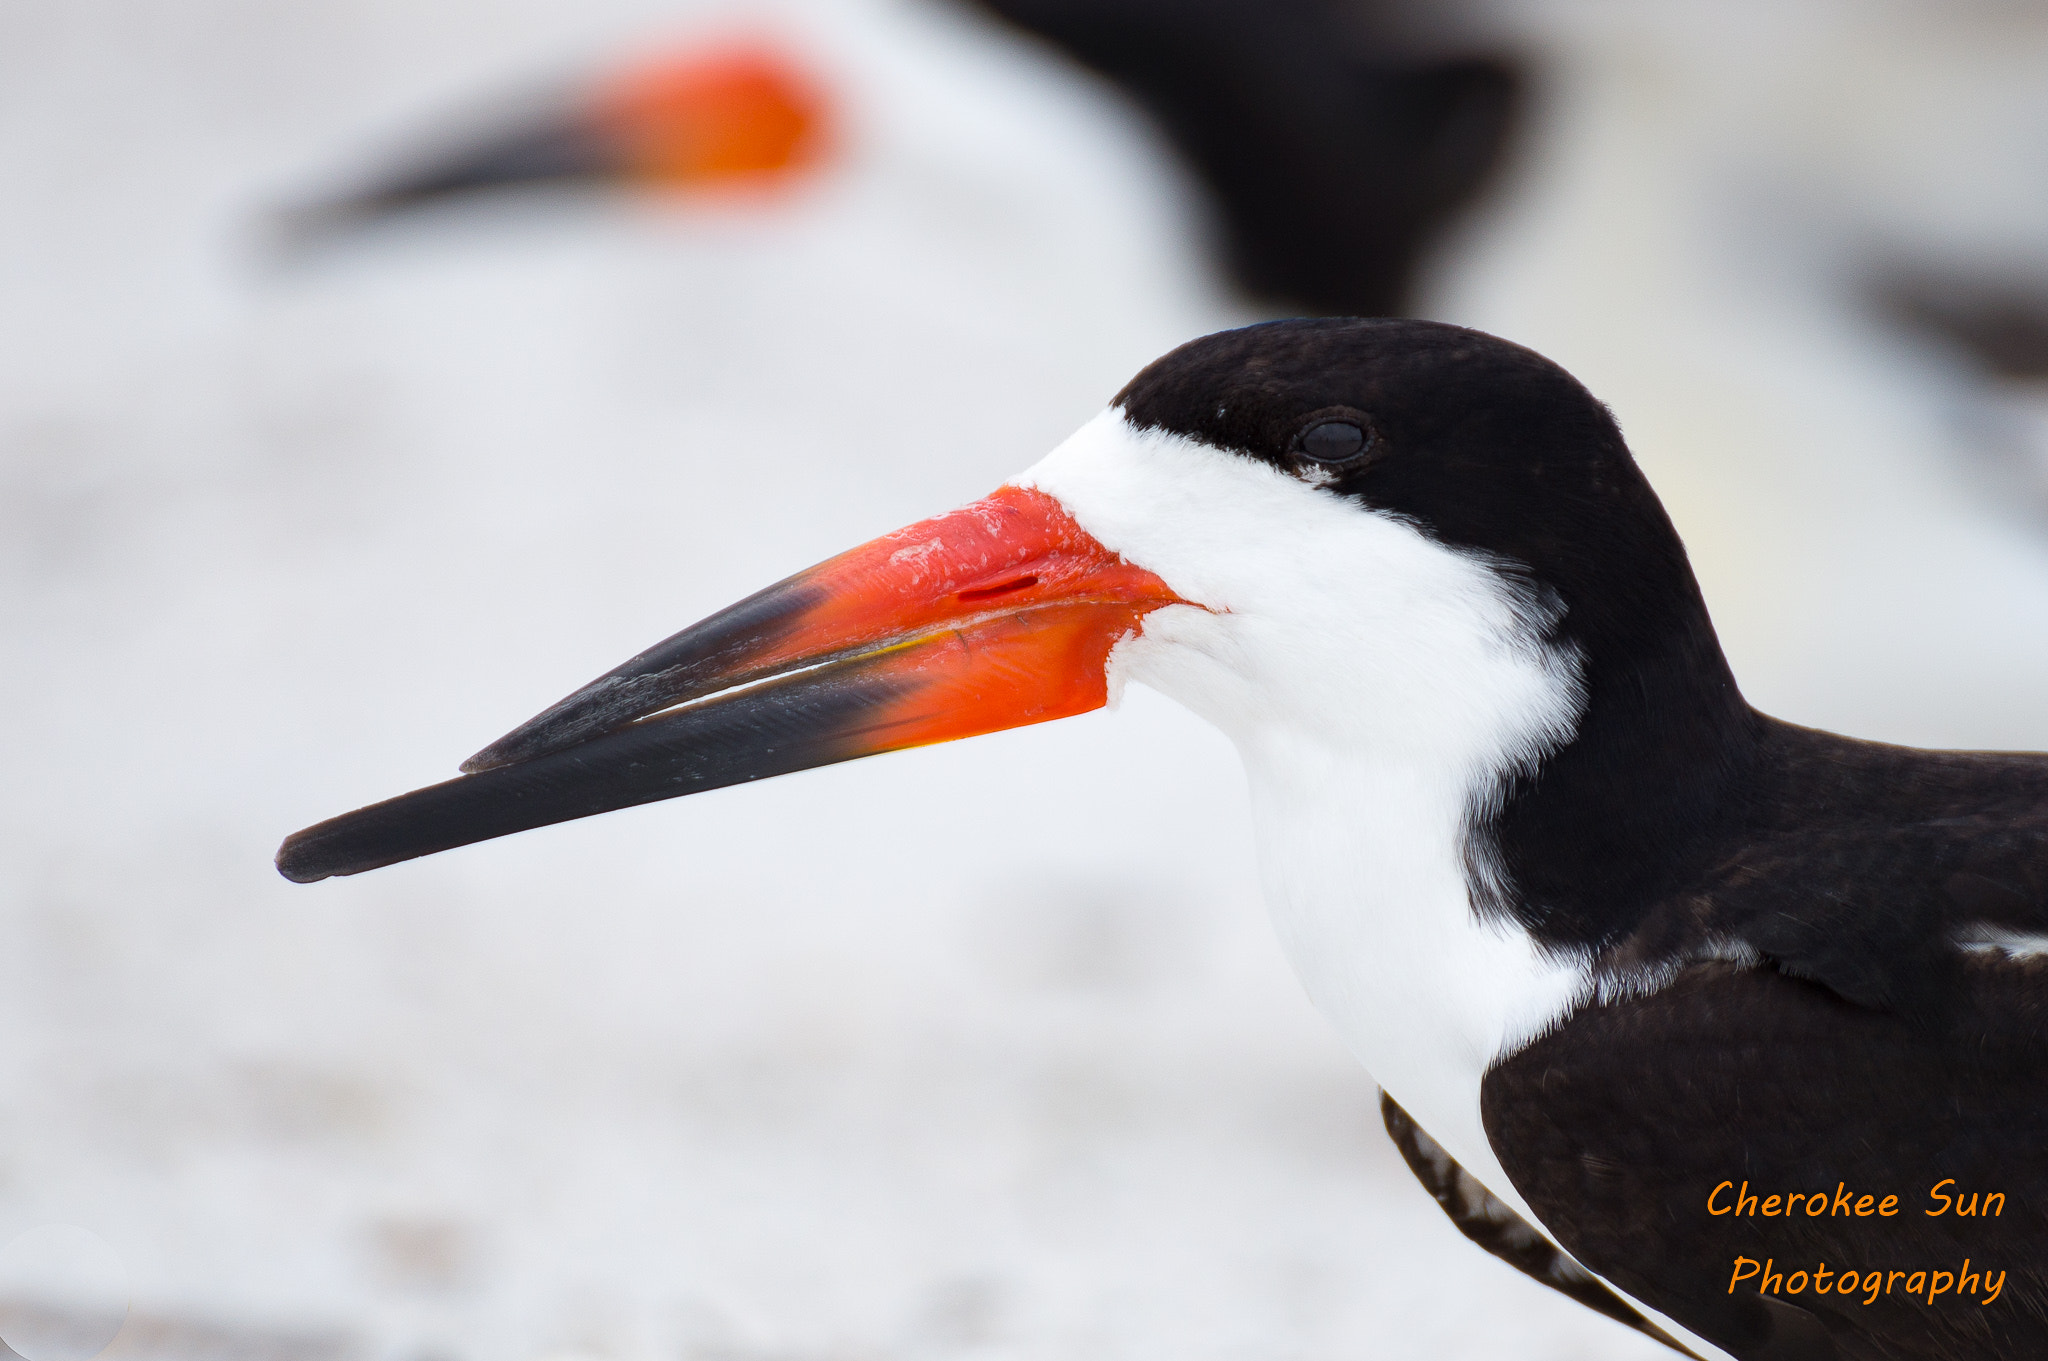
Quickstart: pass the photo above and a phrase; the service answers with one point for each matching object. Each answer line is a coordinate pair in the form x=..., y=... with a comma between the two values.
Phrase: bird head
x=1396, y=540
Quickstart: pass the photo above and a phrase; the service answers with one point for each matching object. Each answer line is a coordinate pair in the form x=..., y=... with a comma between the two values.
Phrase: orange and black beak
x=997, y=615
x=739, y=117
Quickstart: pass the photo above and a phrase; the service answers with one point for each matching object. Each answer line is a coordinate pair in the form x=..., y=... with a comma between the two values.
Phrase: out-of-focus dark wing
x=1337, y=147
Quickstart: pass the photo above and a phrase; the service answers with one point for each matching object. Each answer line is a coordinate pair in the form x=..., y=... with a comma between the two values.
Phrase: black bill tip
x=813, y=719
x=549, y=150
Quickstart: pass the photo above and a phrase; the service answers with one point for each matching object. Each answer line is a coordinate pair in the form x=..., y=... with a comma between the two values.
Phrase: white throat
x=1380, y=688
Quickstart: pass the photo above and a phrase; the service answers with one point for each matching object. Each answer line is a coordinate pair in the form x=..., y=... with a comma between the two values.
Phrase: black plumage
x=1618, y=1125
x=1337, y=147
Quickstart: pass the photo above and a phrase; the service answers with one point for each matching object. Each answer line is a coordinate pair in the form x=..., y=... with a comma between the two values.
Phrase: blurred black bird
x=1337, y=144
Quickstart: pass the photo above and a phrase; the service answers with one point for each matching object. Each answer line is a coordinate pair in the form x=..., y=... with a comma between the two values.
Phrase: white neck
x=1365, y=878
x=1380, y=687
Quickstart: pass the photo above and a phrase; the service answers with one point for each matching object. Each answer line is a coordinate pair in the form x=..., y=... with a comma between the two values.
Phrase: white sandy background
x=981, y=1051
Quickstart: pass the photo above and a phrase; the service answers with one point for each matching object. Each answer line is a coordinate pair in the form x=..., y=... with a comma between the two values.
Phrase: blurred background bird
x=1336, y=140
x=718, y=117
x=662, y=1086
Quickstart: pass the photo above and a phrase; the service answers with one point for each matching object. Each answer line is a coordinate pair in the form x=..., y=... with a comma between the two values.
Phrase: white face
x=1324, y=618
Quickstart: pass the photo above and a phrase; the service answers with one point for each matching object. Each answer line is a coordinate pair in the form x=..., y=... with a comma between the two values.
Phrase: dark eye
x=1332, y=441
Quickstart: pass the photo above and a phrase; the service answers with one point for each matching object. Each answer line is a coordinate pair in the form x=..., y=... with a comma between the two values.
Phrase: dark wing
x=1862, y=866
x=1336, y=151
x=1488, y=1221
x=1618, y=1125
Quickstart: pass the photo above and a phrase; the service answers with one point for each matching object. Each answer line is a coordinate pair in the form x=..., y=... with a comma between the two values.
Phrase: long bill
x=997, y=615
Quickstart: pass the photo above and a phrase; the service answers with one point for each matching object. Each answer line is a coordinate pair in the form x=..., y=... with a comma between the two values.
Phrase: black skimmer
x=1715, y=1022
